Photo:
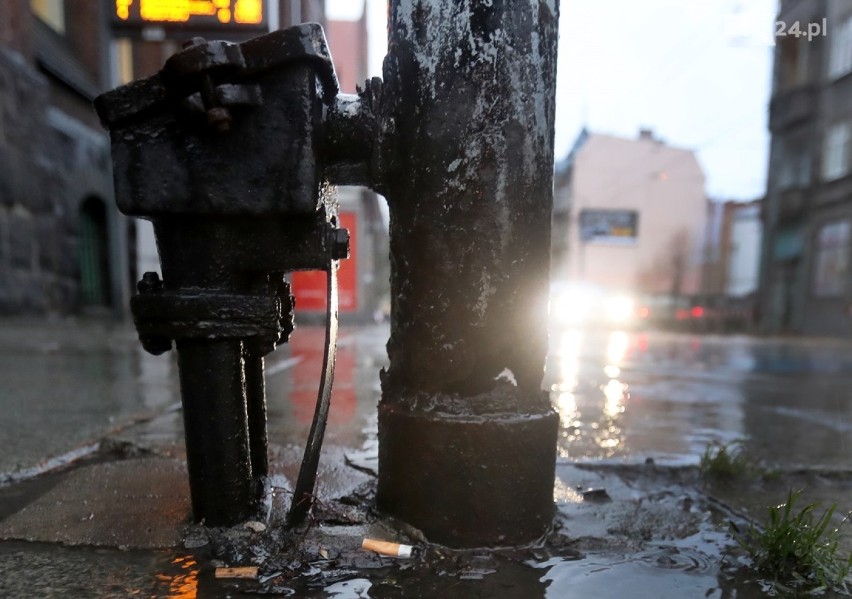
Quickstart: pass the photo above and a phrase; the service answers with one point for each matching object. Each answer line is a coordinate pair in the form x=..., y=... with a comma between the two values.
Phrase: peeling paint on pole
x=467, y=170
x=473, y=91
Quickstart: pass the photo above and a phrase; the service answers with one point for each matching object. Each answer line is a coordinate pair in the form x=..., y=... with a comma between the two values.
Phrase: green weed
x=798, y=550
x=726, y=463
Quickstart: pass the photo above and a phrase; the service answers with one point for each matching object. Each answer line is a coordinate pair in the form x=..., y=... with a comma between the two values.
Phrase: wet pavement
x=94, y=498
x=625, y=396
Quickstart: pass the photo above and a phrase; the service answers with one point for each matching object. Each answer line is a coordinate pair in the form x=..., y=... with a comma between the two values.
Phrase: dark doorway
x=94, y=254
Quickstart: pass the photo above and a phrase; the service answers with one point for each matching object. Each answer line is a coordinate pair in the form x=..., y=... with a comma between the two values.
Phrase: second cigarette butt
x=239, y=572
x=387, y=548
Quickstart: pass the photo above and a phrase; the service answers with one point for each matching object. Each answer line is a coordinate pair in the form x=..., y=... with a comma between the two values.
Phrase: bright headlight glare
x=573, y=306
x=620, y=309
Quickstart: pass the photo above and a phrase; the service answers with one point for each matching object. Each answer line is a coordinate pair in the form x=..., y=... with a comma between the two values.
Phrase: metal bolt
x=219, y=118
x=150, y=283
x=153, y=344
x=340, y=244
x=196, y=41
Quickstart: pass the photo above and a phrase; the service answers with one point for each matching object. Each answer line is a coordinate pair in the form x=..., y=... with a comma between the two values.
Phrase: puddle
x=624, y=398
x=628, y=396
x=50, y=570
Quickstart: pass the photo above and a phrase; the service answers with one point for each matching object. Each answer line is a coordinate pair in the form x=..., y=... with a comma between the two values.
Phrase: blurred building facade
x=731, y=269
x=363, y=278
x=805, y=265
x=629, y=214
x=63, y=246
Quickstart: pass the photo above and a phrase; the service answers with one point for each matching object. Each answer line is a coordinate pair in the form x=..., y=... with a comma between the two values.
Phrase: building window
x=831, y=260
x=124, y=60
x=794, y=54
x=794, y=170
x=51, y=12
x=840, y=56
x=837, y=151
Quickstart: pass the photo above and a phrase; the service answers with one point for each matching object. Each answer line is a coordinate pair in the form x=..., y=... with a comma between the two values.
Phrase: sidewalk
x=634, y=517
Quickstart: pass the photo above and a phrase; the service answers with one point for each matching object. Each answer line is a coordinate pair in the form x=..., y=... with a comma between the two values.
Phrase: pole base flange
x=468, y=480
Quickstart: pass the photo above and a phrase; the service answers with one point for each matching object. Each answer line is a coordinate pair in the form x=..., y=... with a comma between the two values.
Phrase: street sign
x=196, y=15
x=619, y=227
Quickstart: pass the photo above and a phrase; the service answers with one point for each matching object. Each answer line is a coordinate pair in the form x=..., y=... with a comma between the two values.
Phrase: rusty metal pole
x=467, y=439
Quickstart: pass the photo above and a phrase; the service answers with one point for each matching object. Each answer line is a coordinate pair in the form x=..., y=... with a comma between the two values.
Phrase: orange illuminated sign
x=191, y=14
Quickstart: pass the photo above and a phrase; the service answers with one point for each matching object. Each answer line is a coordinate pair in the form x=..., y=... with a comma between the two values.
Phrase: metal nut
x=149, y=283
x=340, y=244
x=220, y=119
x=155, y=344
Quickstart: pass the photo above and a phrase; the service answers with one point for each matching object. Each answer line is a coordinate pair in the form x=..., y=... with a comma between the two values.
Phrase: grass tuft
x=798, y=550
x=726, y=463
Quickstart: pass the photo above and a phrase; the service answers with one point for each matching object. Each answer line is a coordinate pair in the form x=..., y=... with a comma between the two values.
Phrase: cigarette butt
x=387, y=548
x=241, y=572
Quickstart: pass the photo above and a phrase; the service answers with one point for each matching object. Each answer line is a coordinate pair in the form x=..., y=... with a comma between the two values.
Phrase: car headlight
x=620, y=309
x=572, y=307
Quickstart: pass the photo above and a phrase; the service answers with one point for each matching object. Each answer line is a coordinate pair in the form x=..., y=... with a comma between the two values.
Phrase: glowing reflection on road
x=183, y=585
x=615, y=394
x=569, y=360
x=619, y=344
x=566, y=405
x=590, y=408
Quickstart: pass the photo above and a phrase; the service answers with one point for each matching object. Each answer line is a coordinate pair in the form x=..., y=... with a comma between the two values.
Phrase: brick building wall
x=60, y=239
x=25, y=211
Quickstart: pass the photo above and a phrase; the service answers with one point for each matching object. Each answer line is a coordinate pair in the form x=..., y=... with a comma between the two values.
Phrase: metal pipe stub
x=465, y=474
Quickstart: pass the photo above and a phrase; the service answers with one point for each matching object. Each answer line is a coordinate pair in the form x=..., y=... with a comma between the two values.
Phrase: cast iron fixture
x=220, y=151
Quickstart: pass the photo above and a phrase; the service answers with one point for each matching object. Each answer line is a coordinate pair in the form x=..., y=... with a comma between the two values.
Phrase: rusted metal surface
x=227, y=151
x=171, y=156
x=217, y=149
x=472, y=87
x=469, y=90
x=212, y=385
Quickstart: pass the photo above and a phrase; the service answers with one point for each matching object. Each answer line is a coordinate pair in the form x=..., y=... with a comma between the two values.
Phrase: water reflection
x=633, y=399
x=569, y=360
x=615, y=393
x=612, y=371
x=617, y=347
x=293, y=373
x=481, y=574
x=349, y=589
x=634, y=395
x=184, y=583
x=646, y=574
x=590, y=407
x=562, y=493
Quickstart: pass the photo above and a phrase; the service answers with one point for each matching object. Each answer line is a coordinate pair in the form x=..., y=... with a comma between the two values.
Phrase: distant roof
x=563, y=166
x=566, y=163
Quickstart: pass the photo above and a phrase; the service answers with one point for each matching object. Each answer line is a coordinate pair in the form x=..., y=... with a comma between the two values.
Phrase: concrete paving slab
x=64, y=384
x=135, y=503
x=52, y=571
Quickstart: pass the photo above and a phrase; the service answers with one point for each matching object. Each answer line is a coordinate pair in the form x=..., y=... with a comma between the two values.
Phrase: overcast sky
x=697, y=72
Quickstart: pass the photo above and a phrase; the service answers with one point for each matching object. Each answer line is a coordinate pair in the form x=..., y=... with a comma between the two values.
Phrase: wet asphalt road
x=76, y=389
x=631, y=395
